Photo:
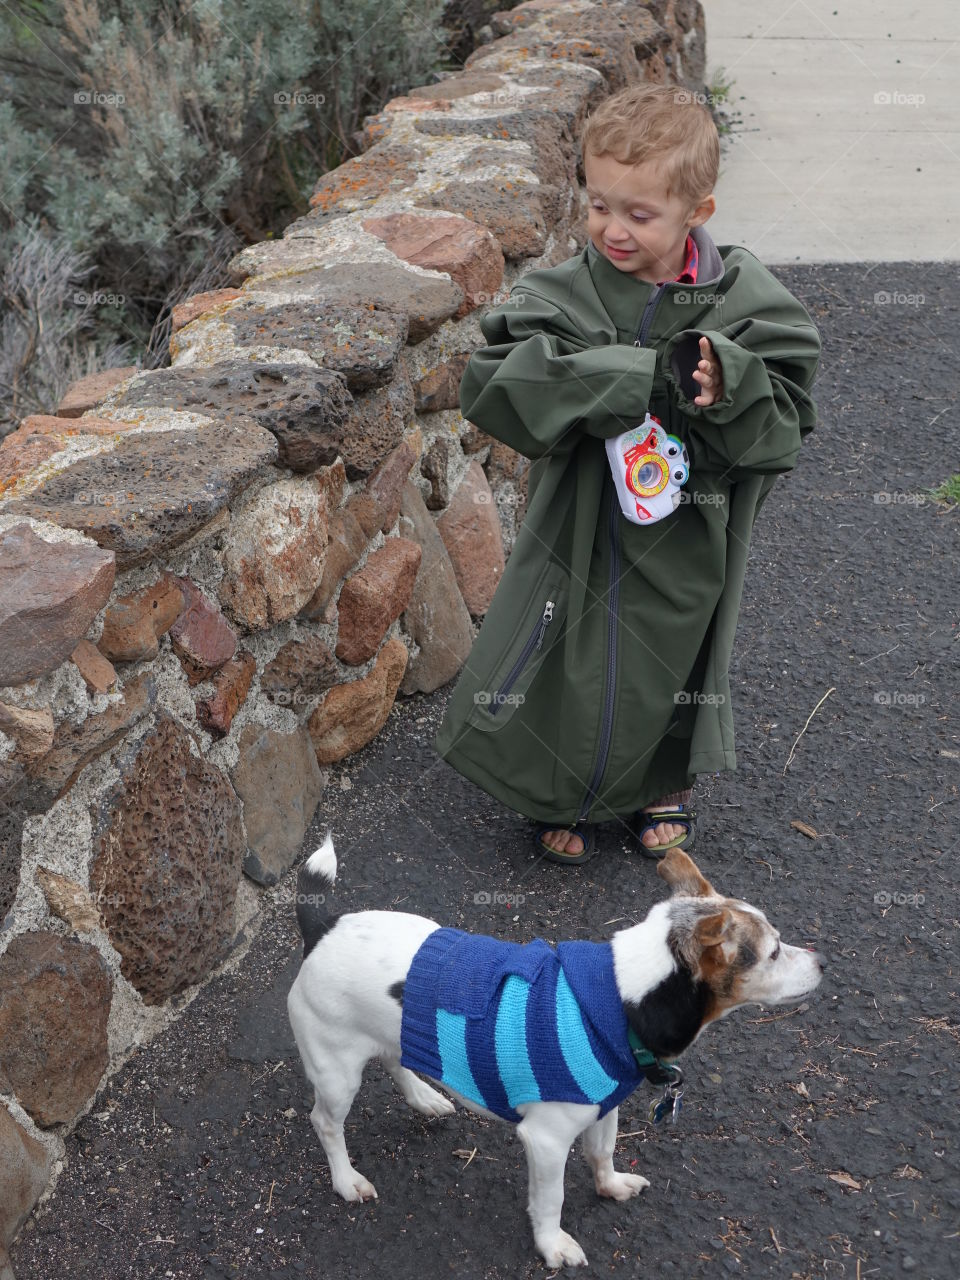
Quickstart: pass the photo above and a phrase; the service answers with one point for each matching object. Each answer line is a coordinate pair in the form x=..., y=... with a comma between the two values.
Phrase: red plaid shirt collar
x=689, y=273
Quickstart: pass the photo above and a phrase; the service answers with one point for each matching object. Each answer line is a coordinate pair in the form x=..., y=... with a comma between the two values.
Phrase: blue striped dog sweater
x=503, y=1023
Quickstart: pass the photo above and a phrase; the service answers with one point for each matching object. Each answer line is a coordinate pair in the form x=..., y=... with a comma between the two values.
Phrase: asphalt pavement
x=815, y=1141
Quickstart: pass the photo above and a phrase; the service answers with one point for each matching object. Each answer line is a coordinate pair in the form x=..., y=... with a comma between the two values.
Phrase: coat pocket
x=541, y=623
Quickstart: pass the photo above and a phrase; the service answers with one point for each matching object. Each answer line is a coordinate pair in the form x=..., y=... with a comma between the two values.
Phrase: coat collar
x=623, y=296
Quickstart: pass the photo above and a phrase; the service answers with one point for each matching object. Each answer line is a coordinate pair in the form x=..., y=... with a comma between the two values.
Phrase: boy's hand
x=709, y=374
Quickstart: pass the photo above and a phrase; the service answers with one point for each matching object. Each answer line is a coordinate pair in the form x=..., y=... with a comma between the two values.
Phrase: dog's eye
x=775, y=952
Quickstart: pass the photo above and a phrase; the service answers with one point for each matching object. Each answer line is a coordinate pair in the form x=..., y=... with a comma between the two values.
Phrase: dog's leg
x=421, y=1096
x=548, y=1131
x=336, y=1080
x=599, y=1142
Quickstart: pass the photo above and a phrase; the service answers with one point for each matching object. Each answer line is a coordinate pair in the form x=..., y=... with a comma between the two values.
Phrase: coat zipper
x=613, y=601
x=533, y=641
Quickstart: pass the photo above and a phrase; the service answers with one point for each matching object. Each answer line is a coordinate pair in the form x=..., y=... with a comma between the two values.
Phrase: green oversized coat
x=599, y=680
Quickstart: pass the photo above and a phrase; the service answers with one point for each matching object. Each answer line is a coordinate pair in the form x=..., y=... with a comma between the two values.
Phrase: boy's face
x=631, y=212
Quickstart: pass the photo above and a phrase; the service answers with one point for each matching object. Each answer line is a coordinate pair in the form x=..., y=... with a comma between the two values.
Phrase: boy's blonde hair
x=658, y=122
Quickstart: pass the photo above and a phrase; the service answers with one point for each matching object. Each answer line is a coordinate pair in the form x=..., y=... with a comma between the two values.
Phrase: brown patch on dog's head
x=683, y=875
x=721, y=946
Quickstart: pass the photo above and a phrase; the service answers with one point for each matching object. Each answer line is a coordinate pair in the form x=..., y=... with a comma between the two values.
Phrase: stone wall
x=216, y=578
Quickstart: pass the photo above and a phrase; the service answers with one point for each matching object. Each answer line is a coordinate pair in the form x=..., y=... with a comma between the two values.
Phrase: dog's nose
x=817, y=956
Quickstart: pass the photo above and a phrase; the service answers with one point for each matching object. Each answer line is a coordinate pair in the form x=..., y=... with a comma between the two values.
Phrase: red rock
x=32, y=731
x=302, y=670
x=99, y=675
x=38, y=438
x=348, y=541
x=473, y=440
x=440, y=387
x=386, y=484
x=20, y=452
x=24, y=1170
x=69, y=901
x=55, y=998
x=63, y=431
x=373, y=597
x=231, y=685
x=76, y=744
x=470, y=529
x=273, y=561
x=468, y=253
x=190, y=308
x=201, y=637
x=50, y=592
x=86, y=393
x=149, y=491
x=416, y=104
x=168, y=845
x=134, y=623
x=332, y=482
x=376, y=507
x=353, y=713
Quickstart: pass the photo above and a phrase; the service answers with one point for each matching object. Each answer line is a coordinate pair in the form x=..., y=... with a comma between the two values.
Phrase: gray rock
x=280, y=783
x=304, y=408
x=361, y=343
x=169, y=484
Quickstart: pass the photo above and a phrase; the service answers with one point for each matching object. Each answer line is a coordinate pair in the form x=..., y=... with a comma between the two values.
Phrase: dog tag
x=669, y=1102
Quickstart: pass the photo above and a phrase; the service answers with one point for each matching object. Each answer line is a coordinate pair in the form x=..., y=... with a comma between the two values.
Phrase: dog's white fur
x=342, y=1015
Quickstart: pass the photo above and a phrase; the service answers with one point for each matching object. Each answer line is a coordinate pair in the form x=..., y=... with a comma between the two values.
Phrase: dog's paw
x=563, y=1251
x=429, y=1102
x=356, y=1188
x=621, y=1186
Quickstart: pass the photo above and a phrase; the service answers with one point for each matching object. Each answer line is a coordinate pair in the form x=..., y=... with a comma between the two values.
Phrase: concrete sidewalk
x=849, y=145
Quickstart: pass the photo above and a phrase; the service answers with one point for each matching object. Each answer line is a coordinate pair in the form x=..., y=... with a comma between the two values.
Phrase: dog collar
x=656, y=1072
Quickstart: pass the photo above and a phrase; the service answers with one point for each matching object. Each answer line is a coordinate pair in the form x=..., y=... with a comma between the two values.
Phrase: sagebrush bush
x=152, y=140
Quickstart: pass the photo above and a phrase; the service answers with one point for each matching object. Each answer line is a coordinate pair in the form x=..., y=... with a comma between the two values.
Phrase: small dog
x=550, y=1039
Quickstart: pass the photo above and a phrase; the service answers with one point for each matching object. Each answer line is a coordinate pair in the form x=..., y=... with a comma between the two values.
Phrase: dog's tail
x=314, y=880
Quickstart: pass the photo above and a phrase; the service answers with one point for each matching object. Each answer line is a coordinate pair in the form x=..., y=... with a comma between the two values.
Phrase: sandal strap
x=645, y=821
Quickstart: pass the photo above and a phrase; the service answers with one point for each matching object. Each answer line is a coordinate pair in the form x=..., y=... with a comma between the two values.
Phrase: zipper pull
x=545, y=622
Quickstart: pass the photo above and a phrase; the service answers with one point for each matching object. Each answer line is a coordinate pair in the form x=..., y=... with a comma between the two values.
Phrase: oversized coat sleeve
x=538, y=384
x=769, y=361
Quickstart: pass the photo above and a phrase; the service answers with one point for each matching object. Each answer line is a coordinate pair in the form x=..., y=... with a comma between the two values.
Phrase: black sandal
x=643, y=821
x=585, y=830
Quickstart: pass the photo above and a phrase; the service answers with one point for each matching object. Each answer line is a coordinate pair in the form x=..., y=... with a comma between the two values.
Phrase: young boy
x=597, y=688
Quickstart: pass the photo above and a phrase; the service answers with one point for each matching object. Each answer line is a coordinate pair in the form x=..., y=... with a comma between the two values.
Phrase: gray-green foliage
x=138, y=132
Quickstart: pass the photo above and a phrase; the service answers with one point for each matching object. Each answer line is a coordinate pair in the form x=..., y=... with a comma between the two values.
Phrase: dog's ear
x=711, y=930
x=683, y=875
